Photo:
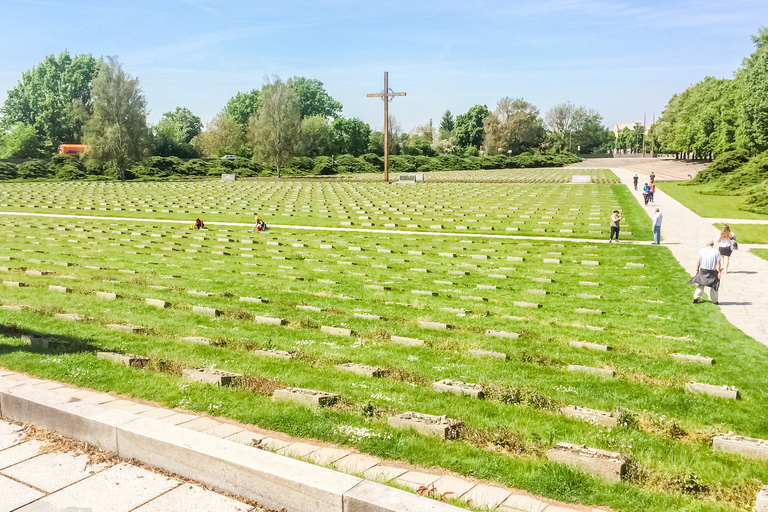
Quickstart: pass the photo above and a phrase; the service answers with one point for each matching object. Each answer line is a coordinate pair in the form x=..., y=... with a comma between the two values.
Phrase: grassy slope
x=695, y=198
x=763, y=253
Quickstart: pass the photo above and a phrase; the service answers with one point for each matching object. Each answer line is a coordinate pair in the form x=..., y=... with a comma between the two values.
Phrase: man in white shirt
x=657, y=227
x=707, y=273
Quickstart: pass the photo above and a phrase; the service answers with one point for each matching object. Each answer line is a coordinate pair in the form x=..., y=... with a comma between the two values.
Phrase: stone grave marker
x=696, y=359
x=710, y=389
x=254, y=299
x=609, y=465
x=306, y=396
x=202, y=310
x=433, y=325
x=502, y=334
x=337, y=331
x=591, y=346
x=745, y=446
x=414, y=342
x=761, y=502
x=361, y=369
x=596, y=417
x=160, y=304
x=428, y=424
x=278, y=354
x=132, y=329
x=210, y=376
x=269, y=320
x=124, y=359
x=197, y=339
x=589, y=369
x=458, y=387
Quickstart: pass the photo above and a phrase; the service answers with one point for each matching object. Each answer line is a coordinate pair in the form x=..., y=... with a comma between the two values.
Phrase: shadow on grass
x=56, y=342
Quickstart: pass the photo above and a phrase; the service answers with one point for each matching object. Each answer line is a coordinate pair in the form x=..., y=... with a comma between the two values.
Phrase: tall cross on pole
x=387, y=97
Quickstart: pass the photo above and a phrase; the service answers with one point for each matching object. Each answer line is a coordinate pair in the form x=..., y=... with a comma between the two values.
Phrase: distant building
x=620, y=126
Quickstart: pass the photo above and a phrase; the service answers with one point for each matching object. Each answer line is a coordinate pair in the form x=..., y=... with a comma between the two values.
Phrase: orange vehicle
x=72, y=149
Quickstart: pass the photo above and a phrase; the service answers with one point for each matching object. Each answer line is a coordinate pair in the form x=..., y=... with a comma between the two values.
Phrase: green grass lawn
x=646, y=316
x=749, y=233
x=695, y=197
x=763, y=253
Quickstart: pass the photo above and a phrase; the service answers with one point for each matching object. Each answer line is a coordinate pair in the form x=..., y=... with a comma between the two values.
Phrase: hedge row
x=68, y=168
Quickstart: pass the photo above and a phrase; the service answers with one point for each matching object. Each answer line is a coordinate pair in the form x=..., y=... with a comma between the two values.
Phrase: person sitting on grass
x=260, y=225
x=198, y=224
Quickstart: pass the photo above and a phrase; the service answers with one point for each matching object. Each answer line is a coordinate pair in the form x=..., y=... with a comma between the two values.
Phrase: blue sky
x=622, y=58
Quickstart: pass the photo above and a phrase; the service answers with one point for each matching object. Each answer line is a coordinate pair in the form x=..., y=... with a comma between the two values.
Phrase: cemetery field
x=538, y=325
x=697, y=198
x=570, y=211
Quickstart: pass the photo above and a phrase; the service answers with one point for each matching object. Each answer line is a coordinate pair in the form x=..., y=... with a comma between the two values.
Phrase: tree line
x=719, y=115
x=291, y=125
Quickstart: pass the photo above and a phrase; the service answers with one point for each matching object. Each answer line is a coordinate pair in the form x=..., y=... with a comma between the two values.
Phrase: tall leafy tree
x=514, y=126
x=174, y=133
x=754, y=104
x=45, y=95
x=351, y=136
x=20, y=141
x=468, y=128
x=242, y=106
x=316, y=136
x=222, y=136
x=446, y=123
x=313, y=98
x=116, y=132
x=275, y=132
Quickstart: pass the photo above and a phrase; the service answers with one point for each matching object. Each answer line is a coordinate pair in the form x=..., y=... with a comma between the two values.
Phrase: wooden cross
x=387, y=97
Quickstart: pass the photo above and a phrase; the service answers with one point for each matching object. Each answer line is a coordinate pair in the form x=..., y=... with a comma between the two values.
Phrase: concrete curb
x=273, y=480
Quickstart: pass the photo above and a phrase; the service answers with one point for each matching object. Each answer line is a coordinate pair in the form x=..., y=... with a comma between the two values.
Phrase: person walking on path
x=635, y=179
x=707, y=273
x=657, y=227
x=652, y=186
x=725, y=244
x=653, y=177
x=646, y=193
x=616, y=218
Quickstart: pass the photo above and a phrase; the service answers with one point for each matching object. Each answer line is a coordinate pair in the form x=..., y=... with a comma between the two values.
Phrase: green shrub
x=752, y=173
x=67, y=168
x=195, y=167
x=374, y=160
x=323, y=166
x=7, y=171
x=724, y=163
x=35, y=169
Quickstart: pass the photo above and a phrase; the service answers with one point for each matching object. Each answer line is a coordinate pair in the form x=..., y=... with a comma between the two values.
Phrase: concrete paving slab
x=326, y=455
x=99, y=398
x=298, y=450
x=200, y=424
x=356, y=463
x=520, y=503
x=156, y=413
x=416, y=479
x=486, y=496
x=373, y=497
x=128, y=486
x=223, y=430
x=18, y=453
x=383, y=473
x=52, y=471
x=178, y=418
x=49, y=384
x=66, y=391
x=245, y=437
x=275, y=445
x=82, y=394
x=14, y=495
x=456, y=486
x=191, y=497
x=10, y=435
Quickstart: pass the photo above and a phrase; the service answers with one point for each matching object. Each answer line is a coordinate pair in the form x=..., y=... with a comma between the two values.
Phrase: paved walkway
x=743, y=291
x=38, y=476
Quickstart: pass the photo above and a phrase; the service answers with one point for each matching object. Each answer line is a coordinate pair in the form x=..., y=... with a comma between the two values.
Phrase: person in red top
x=653, y=189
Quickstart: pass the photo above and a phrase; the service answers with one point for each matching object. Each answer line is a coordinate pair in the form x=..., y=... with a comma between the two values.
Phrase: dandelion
x=413, y=358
